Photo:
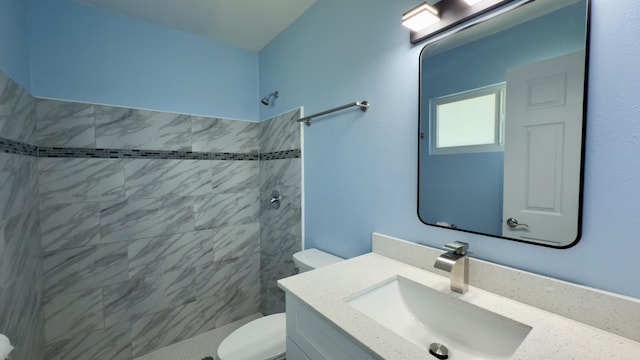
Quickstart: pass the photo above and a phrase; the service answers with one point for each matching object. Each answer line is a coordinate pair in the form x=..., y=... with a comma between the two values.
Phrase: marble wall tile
x=218, y=278
x=157, y=255
x=70, y=314
x=8, y=88
x=21, y=244
x=235, y=176
x=273, y=301
x=142, y=129
x=16, y=195
x=276, y=301
x=279, y=245
x=81, y=180
x=272, y=297
x=21, y=302
x=73, y=270
x=18, y=185
x=124, y=228
x=9, y=95
x=134, y=299
x=7, y=277
x=110, y=121
x=71, y=225
x=280, y=132
x=32, y=182
x=146, y=179
x=21, y=285
x=63, y=123
x=22, y=318
x=222, y=135
x=27, y=132
x=165, y=328
x=231, y=242
x=5, y=259
x=281, y=229
x=226, y=210
x=15, y=285
x=111, y=343
x=21, y=306
x=17, y=112
x=235, y=297
x=284, y=176
x=21, y=279
x=287, y=219
x=137, y=219
x=31, y=344
x=225, y=292
x=229, y=306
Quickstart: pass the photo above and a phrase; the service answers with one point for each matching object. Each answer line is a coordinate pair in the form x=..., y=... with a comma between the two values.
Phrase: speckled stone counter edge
x=608, y=311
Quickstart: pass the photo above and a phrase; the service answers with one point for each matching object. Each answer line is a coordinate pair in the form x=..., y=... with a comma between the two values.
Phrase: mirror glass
x=501, y=125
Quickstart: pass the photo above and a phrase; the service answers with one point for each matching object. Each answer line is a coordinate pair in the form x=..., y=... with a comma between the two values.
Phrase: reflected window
x=470, y=121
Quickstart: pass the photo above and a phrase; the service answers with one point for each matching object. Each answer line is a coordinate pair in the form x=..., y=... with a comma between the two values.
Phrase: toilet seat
x=263, y=339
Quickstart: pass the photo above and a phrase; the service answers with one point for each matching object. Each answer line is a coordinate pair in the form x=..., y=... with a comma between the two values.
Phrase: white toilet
x=265, y=338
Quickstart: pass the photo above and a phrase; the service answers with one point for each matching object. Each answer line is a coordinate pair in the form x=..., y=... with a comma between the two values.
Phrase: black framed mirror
x=502, y=122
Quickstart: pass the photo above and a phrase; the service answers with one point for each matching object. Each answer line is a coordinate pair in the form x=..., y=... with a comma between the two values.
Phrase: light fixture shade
x=472, y=2
x=420, y=17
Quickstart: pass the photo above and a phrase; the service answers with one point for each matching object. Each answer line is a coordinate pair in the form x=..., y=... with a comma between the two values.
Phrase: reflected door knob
x=513, y=222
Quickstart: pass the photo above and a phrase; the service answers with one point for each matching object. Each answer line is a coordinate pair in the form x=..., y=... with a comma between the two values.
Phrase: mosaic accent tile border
x=20, y=148
x=278, y=155
x=58, y=152
x=17, y=147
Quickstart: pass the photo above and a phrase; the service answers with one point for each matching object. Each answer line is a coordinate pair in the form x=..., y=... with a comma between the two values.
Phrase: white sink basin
x=424, y=316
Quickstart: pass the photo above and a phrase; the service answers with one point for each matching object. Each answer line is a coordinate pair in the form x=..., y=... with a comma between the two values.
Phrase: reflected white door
x=542, y=150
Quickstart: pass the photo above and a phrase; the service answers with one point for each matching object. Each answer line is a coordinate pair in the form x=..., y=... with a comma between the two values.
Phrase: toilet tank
x=310, y=259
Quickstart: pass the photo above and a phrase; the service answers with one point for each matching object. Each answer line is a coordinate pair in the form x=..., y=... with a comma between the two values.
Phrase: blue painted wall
x=463, y=189
x=83, y=53
x=14, y=44
x=360, y=168
x=466, y=189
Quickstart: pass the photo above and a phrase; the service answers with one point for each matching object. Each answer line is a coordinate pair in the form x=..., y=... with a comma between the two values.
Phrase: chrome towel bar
x=363, y=105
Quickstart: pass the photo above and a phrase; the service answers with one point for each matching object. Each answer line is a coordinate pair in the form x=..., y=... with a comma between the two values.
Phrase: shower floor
x=198, y=347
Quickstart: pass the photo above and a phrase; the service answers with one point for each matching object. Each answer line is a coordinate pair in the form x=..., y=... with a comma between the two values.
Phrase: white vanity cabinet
x=323, y=321
x=311, y=337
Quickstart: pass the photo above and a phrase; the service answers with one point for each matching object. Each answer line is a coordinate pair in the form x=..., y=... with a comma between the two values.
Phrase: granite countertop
x=551, y=337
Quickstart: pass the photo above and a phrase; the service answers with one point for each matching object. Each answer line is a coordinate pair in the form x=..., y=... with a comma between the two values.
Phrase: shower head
x=265, y=100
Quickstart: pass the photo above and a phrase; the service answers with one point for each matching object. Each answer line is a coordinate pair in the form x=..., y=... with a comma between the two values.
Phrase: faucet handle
x=458, y=247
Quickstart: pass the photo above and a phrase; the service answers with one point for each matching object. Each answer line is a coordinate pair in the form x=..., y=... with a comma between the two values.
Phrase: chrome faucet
x=456, y=262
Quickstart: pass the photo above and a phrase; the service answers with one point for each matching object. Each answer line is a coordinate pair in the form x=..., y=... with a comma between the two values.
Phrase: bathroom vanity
x=311, y=336
x=358, y=309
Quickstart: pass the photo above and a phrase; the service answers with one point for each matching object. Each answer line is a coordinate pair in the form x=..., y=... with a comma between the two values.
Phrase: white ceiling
x=250, y=24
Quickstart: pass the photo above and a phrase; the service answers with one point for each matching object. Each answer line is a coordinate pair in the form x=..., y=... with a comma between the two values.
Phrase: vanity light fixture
x=446, y=15
x=420, y=17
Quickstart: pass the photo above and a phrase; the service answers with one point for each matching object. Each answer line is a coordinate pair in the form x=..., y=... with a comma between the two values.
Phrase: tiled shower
x=127, y=230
